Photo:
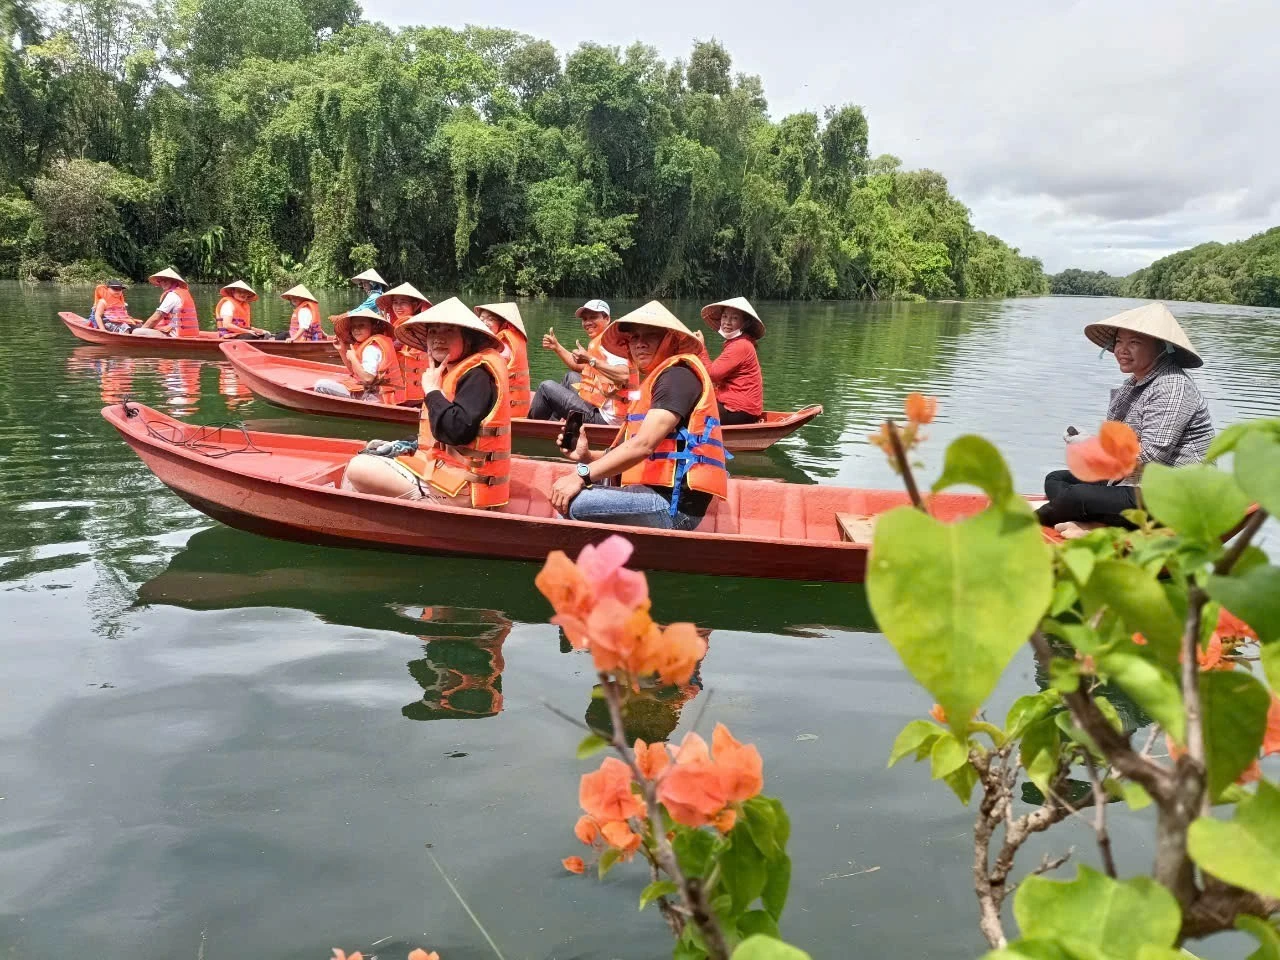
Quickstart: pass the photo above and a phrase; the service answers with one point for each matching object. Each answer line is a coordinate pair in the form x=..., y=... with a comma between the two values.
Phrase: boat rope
x=204, y=439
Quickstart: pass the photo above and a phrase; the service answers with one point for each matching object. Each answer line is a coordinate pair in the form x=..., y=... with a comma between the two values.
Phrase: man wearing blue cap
x=598, y=385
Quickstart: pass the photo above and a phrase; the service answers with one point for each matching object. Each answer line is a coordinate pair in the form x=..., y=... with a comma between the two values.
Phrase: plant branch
x=1238, y=545
x=1100, y=816
x=900, y=457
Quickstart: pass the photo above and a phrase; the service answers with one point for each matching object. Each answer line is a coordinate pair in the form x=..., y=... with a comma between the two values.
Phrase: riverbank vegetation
x=294, y=140
x=1246, y=272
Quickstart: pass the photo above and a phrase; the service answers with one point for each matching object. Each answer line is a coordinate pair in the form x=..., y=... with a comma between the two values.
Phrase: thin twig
x=1238, y=545
x=465, y=906
x=1047, y=865
x=1100, y=816
x=900, y=455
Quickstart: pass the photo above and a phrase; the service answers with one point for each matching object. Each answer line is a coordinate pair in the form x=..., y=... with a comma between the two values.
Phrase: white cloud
x=1094, y=134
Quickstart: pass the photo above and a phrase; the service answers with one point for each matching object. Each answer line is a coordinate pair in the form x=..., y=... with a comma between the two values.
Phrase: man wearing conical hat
x=670, y=452
x=1159, y=401
x=233, y=314
x=176, y=316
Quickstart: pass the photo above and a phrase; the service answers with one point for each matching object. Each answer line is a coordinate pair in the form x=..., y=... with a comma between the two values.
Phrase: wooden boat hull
x=287, y=382
x=287, y=488
x=206, y=344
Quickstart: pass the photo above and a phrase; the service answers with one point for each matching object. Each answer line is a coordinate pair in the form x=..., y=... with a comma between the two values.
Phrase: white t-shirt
x=228, y=310
x=305, y=319
x=607, y=408
x=170, y=304
x=371, y=359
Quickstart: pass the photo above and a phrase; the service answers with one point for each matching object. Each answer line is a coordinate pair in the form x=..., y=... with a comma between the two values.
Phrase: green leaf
x=1235, y=720
x=758, y=922
x=607, y=860
x=1199, y=501
x=1253, y=596
x=693, y=848
x=1265, y=933
x=1064, y=674
x=1244, y=851
x=1029, y=708
x=1041, y=744
x=742, y=871
x=972, y=460
x=1257, y=467
x=916, y=737
x=659, y=888
x=1133, y=794
x=761, y=823
x=776, y=886
x=958, y=600
x=1079, y=563
x=1226, y=441
x=591, y=744
x=1151, y=687
x=1271, y=663
x=760, y=947
x=782, y=833
x=961, y=782
x=1095, y=912
x=947, y=756
x=1065, y=595
x=1036, y=950
x=1139, y=600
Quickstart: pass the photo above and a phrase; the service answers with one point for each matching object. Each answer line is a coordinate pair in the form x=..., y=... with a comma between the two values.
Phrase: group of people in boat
x=176, y=315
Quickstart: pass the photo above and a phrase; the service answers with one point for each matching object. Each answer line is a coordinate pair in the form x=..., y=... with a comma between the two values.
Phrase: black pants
x=1073, y=499
x=736, y=417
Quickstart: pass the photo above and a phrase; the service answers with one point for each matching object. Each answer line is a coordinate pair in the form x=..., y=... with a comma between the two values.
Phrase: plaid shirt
x=1169, y=415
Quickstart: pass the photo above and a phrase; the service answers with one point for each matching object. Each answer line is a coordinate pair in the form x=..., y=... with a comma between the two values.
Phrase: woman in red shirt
x=736, y=373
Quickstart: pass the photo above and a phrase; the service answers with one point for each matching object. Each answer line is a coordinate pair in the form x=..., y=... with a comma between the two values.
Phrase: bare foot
x=1070, y=530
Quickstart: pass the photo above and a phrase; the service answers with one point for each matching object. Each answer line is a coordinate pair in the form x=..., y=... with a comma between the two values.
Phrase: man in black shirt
x=653, y=336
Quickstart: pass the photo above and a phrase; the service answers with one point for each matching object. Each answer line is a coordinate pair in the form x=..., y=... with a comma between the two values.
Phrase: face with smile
x=445, y=343
x=731, y=320
x=402, y=308
x=491, y=320
x=1136, y=353
x=361, y=330
x=644, y=344
x=241, y=295
x=593, y=322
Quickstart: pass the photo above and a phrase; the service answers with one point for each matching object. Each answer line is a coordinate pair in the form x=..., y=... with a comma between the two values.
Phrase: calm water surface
x=216, y=745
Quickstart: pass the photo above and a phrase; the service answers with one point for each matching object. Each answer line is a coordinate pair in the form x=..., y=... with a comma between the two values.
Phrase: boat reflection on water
x=181, y=382
x=229, y=385
x=123, y=377
x=460, y=671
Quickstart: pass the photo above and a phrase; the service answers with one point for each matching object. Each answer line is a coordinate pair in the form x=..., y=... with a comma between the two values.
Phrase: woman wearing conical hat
x=371, y=282
x=304, y=321
x=1159, y=400
x=176, y=315
x=398, y=305
x=736, y=372
x=505, y=323
x=233, y=314
x=462, y=456
x=369, y=354
x=670, y=451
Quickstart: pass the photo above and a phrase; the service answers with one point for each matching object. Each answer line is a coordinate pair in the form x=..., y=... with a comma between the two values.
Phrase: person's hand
x=578, y=453
x=580, y=354
x=432, y=377
x=1072, y=435
x=563, y=491
x=549, y=341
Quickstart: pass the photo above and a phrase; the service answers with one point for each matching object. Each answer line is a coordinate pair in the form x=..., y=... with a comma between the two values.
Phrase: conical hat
x=753, y=328
x=1153, y=319
x=370, y=275
x=652, y=314
x=168, y=273
x=509, y=312
x=453, y=312
x=239, y=285
x=404, y=290
x=342, y=323
x=298, y=293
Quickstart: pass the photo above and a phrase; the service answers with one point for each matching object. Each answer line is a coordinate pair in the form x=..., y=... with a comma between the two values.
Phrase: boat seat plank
x=856, y=527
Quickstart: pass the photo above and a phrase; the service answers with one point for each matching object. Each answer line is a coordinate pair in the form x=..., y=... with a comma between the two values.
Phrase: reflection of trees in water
x=460, y=671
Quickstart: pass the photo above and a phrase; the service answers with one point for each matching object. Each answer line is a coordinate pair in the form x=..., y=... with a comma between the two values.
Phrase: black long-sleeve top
x=458, y=422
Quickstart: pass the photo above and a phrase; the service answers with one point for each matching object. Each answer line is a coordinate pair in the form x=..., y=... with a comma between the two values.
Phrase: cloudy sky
x=1094, y=134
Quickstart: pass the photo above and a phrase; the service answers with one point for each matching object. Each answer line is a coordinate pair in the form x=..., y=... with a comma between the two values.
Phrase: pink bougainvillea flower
x=740, y=765
x=1271, y=740
x=574, y=864
x=606, y=794
x=602, y=566
x=1111, y=455
x=920, y=409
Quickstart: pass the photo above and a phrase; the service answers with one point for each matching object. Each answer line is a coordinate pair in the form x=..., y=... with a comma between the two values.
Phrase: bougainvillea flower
x=343, y=955
x=619, y=835
x=740, y=764
x=421, y=954
x=1252, y=774
x=606, y=794
x=1176, y=752
x=938, y=714
x=615, y=633
x=652, y=759
x=1111, y=455
x=1139, y=639
x=586, y=830
x=602, y=566
x=564, y=585
x=1210, y=657
x=1271, y=739
x=921, y=409
x=673, y=654
x=694, y=788
x=574, y=864
x=1232, y=627
x=725, y=820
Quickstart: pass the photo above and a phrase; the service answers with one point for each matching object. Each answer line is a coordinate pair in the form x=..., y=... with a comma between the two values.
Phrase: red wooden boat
x=286, y=486
x=286, y=382
x=207, y=343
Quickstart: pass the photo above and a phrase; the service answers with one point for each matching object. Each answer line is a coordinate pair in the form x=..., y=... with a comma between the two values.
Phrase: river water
x=214, y=745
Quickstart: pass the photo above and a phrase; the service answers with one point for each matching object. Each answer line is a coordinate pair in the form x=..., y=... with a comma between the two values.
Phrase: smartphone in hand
x=572, y=430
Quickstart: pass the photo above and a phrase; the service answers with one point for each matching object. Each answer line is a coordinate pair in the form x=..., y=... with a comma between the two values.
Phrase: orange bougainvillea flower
x=586, y=830
x=1252, y=774
x=652, y=759
x=1210, y=657
x=1232, y=627
x=725, y=820
x=606, y=794
x=673, y=654
x=343, y=955
x=921, y=409
x=1271, y=739
x=740, y=764
x=1139, y=639
x=575, y=589
x=619, y=835
x=421, y=954
x=1111, y=455
x=938, y=714
x=1176, y=752
x=574, y=864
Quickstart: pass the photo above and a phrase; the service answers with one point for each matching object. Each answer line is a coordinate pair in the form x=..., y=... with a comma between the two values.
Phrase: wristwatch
x=584, y=474
x=591, y=362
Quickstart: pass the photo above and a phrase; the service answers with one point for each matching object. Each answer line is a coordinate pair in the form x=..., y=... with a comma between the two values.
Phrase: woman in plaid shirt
x=1159, y=401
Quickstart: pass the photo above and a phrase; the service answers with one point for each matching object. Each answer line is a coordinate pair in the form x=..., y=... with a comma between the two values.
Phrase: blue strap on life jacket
x=685, y=457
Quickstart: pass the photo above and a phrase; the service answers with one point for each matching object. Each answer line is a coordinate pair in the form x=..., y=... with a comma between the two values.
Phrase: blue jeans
x=634, y=505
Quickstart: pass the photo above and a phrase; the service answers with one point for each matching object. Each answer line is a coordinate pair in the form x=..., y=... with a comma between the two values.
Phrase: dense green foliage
x=1246, y=272
x=289, y=139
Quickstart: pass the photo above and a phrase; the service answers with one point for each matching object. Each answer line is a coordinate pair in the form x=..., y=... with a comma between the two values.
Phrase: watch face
x=584, y=471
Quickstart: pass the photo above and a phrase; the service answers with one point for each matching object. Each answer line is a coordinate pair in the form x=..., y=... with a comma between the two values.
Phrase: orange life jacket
x=484, y=464
x=390, y=381
x=240, y=315
x=315, y=331
x=414, y=364
x=186, y=320
x=597, y=389
x=114, y=307
x=694, y=453
x=517, y=371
